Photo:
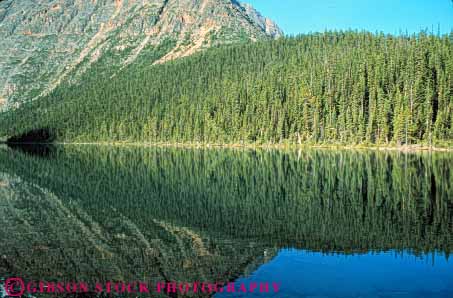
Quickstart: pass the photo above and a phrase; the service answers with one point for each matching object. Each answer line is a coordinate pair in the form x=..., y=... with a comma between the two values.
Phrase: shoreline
x=402, y=148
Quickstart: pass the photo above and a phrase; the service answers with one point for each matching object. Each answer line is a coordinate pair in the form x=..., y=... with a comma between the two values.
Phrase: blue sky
x=389, y=16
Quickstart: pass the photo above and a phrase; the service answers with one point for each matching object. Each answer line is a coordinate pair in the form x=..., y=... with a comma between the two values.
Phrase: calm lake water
x=317, y=223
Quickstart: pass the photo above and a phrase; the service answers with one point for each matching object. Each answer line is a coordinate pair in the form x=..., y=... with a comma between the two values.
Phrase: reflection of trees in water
x=43, y=150
x=186, y=200
x=44, y=237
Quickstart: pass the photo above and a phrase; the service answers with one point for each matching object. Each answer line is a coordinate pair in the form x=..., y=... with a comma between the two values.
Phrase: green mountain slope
x=47, y=42
x=322, y=88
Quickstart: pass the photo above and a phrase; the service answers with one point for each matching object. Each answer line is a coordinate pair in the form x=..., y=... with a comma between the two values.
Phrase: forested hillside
x=342, y=87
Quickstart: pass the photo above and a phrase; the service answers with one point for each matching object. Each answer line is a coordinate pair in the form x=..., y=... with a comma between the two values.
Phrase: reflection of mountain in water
x=104, y=213
x=46, y=237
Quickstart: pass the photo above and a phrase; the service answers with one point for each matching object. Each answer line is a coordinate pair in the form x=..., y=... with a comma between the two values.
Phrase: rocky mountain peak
x=266, y=24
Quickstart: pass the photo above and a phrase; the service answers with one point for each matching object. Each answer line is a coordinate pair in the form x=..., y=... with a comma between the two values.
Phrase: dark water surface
x=317, y=223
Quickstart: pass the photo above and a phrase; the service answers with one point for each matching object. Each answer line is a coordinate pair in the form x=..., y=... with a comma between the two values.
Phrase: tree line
x=333, y=87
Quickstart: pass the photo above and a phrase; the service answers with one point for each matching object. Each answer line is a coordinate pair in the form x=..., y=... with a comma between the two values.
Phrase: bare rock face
x=45, y=42
x=266, y=25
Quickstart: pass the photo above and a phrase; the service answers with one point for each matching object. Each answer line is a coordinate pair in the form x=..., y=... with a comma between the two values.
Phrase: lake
x=303, y=223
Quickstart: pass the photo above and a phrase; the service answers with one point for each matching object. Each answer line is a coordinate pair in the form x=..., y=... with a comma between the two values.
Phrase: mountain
x=47, y=42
